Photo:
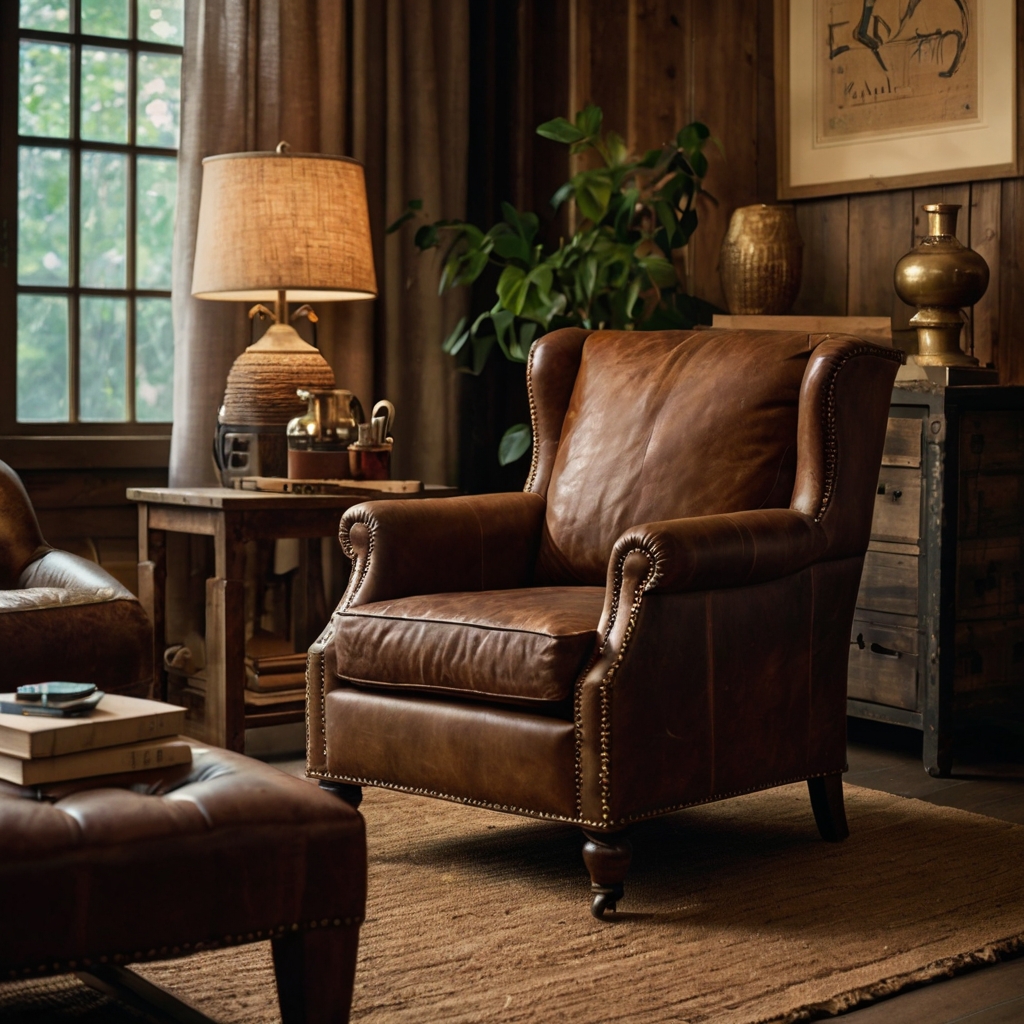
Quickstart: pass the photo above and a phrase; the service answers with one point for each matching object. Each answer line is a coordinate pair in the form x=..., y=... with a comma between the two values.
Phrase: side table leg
x=153, y=593
x=315, y=974
x=225, y=663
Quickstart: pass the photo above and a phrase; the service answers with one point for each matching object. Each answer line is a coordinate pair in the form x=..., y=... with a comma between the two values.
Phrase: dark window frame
x=149, y=439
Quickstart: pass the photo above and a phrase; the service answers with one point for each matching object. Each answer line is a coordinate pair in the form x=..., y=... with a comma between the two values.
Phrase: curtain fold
x=387, y=83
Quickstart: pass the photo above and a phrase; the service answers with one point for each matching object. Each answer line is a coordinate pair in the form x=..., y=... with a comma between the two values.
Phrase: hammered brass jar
x=939, y=276
x=761, y=260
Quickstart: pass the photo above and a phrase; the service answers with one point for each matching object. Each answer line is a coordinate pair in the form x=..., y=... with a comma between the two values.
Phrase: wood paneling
x=87, y=513
x=654, y=65
x=824, y=227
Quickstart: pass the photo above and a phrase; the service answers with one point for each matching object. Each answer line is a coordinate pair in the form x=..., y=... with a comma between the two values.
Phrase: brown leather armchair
x=660, y=619
x=61, y=616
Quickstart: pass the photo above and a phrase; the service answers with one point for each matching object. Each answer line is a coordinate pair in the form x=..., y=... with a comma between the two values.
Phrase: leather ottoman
x=104, y=872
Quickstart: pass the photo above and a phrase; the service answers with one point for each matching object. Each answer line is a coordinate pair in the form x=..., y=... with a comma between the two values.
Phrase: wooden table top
x=231, y=500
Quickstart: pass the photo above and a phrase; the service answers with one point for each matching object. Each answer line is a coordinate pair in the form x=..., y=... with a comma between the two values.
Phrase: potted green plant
x=615, y=271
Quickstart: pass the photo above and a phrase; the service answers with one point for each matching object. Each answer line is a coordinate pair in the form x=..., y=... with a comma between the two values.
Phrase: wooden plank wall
x=654, y=65
x=86, y=512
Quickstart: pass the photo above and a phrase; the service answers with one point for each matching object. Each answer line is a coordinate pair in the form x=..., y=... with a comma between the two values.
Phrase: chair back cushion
x=666, y=425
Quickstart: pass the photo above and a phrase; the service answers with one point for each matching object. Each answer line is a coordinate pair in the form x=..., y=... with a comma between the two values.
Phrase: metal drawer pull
x=897, y=494
x=885, y=652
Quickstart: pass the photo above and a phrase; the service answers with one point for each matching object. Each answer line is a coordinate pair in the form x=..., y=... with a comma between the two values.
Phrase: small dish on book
x=53, y=700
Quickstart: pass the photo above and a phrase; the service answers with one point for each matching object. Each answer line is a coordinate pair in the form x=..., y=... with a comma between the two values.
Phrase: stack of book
x=122, y=734
x=274, y=673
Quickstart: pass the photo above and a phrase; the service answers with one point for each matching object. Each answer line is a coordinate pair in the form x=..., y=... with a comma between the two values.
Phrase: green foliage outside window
x=96, y=326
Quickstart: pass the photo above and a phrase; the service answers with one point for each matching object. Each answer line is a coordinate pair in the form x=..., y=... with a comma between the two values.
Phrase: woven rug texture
x=735, y=912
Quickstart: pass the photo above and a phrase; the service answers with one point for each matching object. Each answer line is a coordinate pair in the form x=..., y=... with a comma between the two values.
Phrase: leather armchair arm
x=440, y=545
x=80, y=577
x=705, y=553
x=70, y=619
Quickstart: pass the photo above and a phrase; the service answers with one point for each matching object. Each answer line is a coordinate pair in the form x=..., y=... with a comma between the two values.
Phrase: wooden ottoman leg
x=315, y=972
x=347, y=791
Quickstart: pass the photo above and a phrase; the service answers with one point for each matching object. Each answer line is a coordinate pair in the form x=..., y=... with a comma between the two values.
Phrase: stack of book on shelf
x=121, y=734
x=274, y=673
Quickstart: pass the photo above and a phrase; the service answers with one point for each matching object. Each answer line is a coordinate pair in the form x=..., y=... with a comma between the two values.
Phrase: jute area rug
x=734, y=913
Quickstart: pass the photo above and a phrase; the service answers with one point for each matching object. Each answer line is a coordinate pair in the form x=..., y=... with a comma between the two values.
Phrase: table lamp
x=278, y=228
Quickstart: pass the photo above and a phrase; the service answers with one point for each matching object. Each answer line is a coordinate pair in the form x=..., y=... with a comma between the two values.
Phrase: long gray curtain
x=387, y=83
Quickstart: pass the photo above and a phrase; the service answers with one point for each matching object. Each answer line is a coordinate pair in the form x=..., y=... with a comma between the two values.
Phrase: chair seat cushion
x=510, y=646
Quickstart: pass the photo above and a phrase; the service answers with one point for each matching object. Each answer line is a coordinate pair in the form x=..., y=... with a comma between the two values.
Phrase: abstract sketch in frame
x=882, y=94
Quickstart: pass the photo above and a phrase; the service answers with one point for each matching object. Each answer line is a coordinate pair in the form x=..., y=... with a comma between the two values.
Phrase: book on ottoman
x=85, y=764
x=122, y=734
x=115, y=721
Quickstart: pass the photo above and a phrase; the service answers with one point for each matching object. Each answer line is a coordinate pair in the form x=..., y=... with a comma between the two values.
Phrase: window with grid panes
x=98, y=98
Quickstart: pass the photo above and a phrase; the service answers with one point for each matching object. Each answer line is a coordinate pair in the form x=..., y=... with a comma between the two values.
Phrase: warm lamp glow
x=273, y=222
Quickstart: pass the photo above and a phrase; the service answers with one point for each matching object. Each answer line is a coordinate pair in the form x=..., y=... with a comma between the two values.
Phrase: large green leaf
x=515, y=443
x=593, y=193
x=589, y=119
x=560, y=130
x=513, y=247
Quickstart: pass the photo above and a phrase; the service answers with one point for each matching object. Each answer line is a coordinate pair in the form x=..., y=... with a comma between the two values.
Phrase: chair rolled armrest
x=705, y=553
x=70, y=619
x=711, y=552
x=62, y=570
x=440, y=545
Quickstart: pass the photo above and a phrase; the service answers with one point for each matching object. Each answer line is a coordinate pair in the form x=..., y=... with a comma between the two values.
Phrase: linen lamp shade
x=271, y=222
x=278, y=227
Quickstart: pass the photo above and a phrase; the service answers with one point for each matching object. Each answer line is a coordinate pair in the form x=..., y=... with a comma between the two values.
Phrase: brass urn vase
x=940, y=276
x=761, y=260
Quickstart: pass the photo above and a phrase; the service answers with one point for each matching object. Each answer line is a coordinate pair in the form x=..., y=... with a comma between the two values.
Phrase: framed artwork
x=882, y=94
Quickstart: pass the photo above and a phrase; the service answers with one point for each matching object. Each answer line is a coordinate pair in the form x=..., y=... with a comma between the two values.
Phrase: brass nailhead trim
x=535, y=457
x=831, y=447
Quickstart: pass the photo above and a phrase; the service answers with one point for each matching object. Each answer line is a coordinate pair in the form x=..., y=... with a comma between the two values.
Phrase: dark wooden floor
x=988, y=778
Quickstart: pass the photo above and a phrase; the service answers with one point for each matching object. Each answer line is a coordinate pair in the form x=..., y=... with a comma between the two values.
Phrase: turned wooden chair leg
x=351, y=794
x=315, y=972
x=827, y=804
x=607, y=857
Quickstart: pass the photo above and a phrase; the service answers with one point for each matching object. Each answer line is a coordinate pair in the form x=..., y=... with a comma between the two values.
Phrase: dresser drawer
x=897, y=515
x=902, y=442
x=889, y=583
x=884, y=664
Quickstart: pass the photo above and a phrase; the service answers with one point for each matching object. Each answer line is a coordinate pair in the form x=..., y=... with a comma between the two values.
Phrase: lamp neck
x=281, y=307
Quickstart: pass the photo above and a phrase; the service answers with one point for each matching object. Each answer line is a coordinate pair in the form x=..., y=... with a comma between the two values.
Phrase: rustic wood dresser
x=938, y=634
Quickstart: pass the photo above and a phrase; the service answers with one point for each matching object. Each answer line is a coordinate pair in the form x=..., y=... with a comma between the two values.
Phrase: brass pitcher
x=939, y=276
x=331, y=420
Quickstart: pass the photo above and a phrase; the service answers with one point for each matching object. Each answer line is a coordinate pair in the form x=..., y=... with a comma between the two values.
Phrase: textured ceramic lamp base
x=262, y=387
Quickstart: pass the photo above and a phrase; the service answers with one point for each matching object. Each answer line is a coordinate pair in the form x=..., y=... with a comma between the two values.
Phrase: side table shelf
x=938, y=634
x=232, y=518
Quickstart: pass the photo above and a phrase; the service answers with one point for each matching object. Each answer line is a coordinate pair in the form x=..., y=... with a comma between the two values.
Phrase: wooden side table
x=231, y=518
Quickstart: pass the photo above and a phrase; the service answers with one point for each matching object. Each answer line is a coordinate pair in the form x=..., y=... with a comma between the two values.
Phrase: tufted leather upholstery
x=715, y=488
x=167, y=862
x=61, y=616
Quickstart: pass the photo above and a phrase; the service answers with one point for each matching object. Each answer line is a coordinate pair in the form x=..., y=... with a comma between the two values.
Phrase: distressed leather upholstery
x=167, y=862
x=61, y=616
x=660, y=619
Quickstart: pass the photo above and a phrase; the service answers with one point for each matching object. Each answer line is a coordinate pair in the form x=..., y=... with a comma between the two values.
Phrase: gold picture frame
x=873, y=95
